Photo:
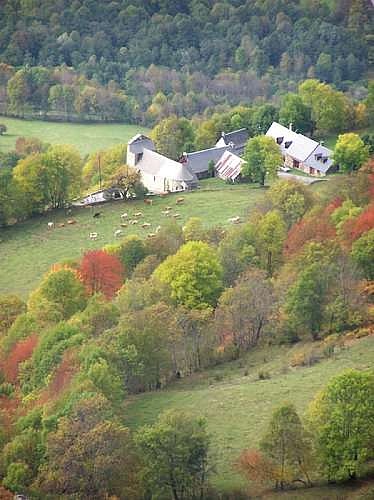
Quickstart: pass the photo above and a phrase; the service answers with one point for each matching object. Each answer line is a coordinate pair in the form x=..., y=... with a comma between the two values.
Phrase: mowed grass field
x=87, y=138
x=237, y=405
x=29, y=249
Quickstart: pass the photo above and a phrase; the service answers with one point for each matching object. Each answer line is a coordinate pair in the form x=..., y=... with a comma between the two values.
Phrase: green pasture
x=87, y=138
x=237, y=405
x=28, y=249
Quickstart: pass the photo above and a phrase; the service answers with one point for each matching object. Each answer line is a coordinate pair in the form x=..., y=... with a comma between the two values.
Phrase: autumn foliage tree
x=356, y=227
x=316, y=228
x=20, y=352
x=101, y=273
x=257, y=468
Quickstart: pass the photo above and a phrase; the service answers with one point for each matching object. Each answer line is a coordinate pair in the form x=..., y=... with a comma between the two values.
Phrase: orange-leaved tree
x=357, y=226
x=21, y=351
x=101, y=273
x=315, y=228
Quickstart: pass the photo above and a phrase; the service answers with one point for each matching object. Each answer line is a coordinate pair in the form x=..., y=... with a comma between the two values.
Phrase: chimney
x=290, y=126
x=183, y=158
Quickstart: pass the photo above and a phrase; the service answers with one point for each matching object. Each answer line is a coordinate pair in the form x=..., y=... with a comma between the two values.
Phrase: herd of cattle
x=127, y=220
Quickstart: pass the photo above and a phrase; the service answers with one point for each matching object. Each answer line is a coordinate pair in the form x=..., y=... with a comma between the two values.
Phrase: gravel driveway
x=301, y=178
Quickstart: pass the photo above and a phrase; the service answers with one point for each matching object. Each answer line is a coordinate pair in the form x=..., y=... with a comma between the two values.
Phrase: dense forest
x=121, y=60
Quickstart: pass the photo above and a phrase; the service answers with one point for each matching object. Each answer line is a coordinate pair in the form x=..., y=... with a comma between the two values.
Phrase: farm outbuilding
x=229, y=166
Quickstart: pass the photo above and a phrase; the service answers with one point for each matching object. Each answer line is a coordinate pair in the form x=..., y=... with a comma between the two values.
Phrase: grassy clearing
x=27, y=250
x=85, y=137
x=237, y=405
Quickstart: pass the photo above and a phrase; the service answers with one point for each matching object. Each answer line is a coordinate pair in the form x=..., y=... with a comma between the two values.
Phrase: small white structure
x=229, y=166
x=159, y=174
x=101, y=196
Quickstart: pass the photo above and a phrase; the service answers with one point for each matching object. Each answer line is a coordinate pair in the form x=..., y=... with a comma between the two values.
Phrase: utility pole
x=99, y=168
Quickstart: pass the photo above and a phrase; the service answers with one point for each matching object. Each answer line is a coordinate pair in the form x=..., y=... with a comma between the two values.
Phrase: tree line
x=140, y=314
x=264, y=42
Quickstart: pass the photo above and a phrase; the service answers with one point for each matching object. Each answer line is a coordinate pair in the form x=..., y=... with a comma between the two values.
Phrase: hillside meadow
x=29, y=249
x=237, y=404
x=87, y=137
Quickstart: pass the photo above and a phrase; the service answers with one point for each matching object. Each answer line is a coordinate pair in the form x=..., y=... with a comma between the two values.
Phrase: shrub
x=263, y=375
x=6, y=389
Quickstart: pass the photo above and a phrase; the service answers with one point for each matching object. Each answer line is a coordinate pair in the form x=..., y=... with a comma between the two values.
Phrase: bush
x=263, y=375
x=305, y=357
x=6, y=389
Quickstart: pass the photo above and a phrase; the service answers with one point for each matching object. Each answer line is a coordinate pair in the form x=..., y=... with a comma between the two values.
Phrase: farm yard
x=29, y=249
x=87, y=138
x=237, y=405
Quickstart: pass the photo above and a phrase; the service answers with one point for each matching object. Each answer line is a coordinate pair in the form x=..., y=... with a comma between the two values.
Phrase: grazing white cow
x=51, y=225
x=157, y=229
x=235, y=220
x=145, y=225
x=93, y=236
x=151, y=235
x=118, y=233
x=138, y=214
x=134, y=221
x=176, y=216
x=124, y=216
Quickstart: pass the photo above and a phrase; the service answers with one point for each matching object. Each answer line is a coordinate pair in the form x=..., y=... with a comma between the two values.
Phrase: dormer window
x=318, y=156
x=287, y=144
x=325, y=159
x=138, y=157
x=279, y=140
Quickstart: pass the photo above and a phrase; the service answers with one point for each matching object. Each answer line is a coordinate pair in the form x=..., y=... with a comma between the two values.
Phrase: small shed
x=229, y=166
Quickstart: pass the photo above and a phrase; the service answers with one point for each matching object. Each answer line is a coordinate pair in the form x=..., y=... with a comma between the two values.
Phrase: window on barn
x=287, y=144
x=279, y=140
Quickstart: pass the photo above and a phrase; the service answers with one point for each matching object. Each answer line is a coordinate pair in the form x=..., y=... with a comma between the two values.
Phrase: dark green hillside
x=197, y=54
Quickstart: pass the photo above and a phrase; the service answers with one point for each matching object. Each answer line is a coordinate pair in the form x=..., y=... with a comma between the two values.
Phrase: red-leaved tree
x=332, y=206
x=256, y=468
x=21, y=351
x=101, y=272
x=317, y=228
x=354, y=228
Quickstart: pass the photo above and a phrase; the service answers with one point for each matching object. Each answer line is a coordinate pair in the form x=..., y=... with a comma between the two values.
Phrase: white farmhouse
x=299, y=151
x=159, y=174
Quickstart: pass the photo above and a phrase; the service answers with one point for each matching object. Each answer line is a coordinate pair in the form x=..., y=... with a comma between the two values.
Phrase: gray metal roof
x=238, y=137
x=198, y=162
x=137, y=138
x=300, y=146
x=155, y=164
x=324, y=161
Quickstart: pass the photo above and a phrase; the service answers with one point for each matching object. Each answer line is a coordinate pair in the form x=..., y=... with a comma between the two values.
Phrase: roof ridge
x=208, y=149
